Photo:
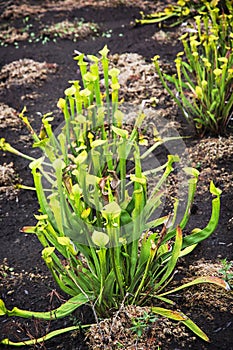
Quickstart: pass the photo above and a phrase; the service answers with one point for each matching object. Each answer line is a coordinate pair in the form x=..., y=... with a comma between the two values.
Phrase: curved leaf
x=174, y=315
x=204, y=279
x=65, y=309
x=199, y=236
x=174, y=257
x=44, y=338
x=179, y=316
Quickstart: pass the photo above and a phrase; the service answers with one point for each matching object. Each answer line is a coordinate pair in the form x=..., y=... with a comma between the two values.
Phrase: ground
x=36, y=65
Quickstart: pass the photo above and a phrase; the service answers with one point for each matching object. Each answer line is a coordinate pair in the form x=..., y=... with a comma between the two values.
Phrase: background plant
x=75, y=30
x=100, y=240
x=203, y=83
x=173, y=15
x=142, y=323
x=227, y=271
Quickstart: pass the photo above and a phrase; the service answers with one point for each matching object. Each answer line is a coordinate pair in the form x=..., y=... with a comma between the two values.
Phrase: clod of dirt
x=167, y=37
x=171, y=37
x=9, y=117
x=213, y=157
x=8, y=179
x=140, y=83
x=138, y=79
x=118, y=331
x=7, y=174
x=11, y=34
x=13, y=11
x=208, y=268
x=25, y=72
x=74, y=31
x=207, y=294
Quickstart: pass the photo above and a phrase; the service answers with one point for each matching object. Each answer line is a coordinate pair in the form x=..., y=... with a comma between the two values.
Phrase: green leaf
x=70, y=91
x=64, y=310
x=44, y=207
x=109, y=284
x=48, y=336
x=214, y=190
x=93, y=58
x=56, y=208
x=146, y=248
x=191, y=325
x=85, y=213
x=100, y=238
x=199, y=235
x=120, y=132
x=118, y=116
x=81, y=157
x=114, y=72
x=165, y=300
x=104, y=52
x=46, y=254
x=174, y=315
x=3, y=309
x=97, y=143
x=205, y=279
x=192, y=171
x=125, y=218
x=174, y=257
x=187, y=250
x=179, y=316
x=37, y=163
x=112, y=210
x=191, y=192
x=29, y=229
x=65, y=241
x=141, y=180
x=85, y=93
x=90, y=77
x=59, y=164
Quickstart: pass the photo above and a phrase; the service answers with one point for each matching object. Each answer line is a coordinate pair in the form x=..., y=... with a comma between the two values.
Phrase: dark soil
x=24, y=279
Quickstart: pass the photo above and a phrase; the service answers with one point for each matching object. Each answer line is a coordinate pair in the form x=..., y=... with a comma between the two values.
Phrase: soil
x=36, y=65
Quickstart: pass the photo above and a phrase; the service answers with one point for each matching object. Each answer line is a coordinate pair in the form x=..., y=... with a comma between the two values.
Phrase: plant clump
x=203, y=79
x=173, y=15
x=105, y=237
